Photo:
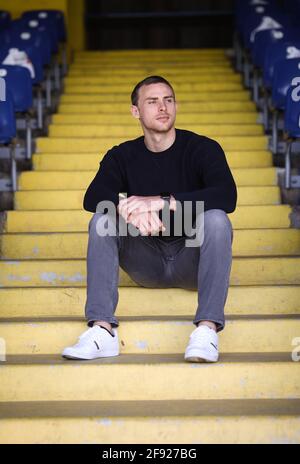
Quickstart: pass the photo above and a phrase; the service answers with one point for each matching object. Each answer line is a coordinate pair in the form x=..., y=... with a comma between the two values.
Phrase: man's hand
x=138, y=205
x=147, y=222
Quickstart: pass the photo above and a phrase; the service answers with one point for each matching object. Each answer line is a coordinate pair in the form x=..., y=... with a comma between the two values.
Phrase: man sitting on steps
x=162, y=173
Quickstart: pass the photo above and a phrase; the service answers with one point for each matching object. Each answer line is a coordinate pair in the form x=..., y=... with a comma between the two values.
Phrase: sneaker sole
x=199, y=360
x=89, y=358
x=198, y=356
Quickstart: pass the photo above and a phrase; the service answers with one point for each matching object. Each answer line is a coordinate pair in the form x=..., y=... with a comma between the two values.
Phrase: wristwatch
x=166, y=197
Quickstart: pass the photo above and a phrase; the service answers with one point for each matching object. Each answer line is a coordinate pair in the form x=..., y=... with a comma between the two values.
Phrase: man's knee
x=212, y=222
x=217, y=221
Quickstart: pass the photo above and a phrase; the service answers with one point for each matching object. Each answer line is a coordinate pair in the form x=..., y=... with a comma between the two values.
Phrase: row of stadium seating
x=33, y=63
x=267, y=50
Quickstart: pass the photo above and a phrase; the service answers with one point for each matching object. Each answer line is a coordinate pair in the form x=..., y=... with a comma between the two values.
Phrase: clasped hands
x=142, y=212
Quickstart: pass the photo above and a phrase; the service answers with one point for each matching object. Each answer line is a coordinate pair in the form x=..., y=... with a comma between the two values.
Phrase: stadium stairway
x=148, y=394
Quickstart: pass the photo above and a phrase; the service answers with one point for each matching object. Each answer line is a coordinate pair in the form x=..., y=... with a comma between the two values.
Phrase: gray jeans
x=150, y=262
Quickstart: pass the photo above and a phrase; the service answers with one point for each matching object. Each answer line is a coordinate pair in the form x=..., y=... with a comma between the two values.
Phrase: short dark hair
x=147, y=81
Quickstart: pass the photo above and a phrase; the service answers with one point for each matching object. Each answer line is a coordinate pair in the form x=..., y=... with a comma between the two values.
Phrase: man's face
x=156, y=107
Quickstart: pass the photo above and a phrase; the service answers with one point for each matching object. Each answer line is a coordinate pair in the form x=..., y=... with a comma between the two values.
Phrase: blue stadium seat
x=57, y=16
x=275, y=53
x=7, y=119
x=25, y=41
x=8, y=132
x=18, y=82
x=292, y=129
x=292, y=109
x=266, y=40
x=49, y=23
x=284, y=72
x=41, y=37
x=5, y=19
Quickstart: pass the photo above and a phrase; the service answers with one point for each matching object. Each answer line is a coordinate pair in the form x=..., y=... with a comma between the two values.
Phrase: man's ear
x=135, y=111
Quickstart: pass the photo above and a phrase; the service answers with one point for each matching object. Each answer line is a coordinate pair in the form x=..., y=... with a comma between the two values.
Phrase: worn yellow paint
x=184, y=107
x=56, y=380
x=90, y=161
x=177, y=83
x=101, y=144
x=244, y=217
x=259, y=242
x=73, y=199
x=126, y=89
x=92, y=130
x=245, y=271
x=187, y=97
x=144, y=302
x=160, y=430
x=153, y=337
x=58, y=180
x=186, y=119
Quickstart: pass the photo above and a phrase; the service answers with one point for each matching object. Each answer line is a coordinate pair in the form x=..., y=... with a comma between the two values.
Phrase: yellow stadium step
x=66, y=180
x=81, y=145
x=116, y=89
x=161, y=69
x=244, y=217
x=168, y=72
x=260, y=242
x=127, y=120
x=73, y=199
x=90, y=161
x=151, y=52
x=92, y=130
x=135, y=302
x=133, y=79
x=157, y=337
x=244, y=376
x=168, y=422
x=185, y=107
x=184, y=97
x=146, y=65
x=178, y=83
x=245, y=271
x=150, y=58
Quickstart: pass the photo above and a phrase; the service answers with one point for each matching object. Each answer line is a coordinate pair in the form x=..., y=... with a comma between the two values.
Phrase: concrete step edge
x=149, y=359
x=154, y=408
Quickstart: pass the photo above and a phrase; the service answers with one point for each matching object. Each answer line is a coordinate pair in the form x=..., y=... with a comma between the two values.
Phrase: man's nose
x=162, y=105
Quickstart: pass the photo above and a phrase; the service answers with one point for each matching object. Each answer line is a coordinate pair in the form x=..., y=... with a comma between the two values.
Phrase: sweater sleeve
x=106, y=185
x=218, y=187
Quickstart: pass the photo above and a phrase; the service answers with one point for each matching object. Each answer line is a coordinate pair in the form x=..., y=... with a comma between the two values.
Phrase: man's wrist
x=168, y=198
x=172, y=203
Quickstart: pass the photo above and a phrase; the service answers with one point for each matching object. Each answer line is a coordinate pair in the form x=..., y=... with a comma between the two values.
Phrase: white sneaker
x=203, y=345
x=95, y=342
